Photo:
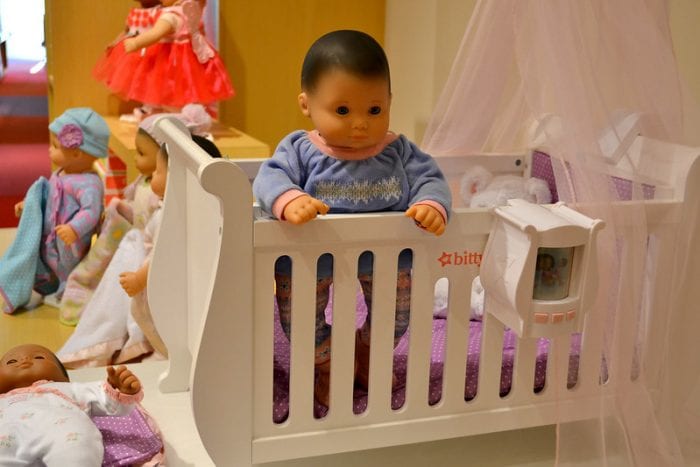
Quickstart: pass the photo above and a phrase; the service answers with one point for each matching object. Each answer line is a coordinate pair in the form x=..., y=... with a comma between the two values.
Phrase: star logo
x=445, y=259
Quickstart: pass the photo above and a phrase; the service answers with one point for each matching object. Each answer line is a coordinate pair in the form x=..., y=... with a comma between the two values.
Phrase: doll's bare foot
x=322, y=383
x=322, y=379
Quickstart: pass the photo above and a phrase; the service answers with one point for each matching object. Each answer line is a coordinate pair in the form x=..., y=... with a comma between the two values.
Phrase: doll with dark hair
x=350, y=163
x=45, y=418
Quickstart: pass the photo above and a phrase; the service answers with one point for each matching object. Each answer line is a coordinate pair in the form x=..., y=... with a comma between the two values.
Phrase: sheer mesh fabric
x=563, y=72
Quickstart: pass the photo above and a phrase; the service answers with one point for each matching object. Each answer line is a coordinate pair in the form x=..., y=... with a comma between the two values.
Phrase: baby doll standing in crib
x=58, y=216
x=45, y=419
x=169, y=65
x=349, y=163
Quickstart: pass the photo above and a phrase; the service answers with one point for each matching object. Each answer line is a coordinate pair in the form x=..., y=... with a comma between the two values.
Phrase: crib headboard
x=206, y=218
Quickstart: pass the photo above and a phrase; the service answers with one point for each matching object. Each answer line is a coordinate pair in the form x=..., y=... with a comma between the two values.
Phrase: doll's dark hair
x=207, y=145
x=60, y=365
x=353, y=52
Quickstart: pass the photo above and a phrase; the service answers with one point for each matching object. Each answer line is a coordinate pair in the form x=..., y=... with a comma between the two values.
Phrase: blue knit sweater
x=398, y=176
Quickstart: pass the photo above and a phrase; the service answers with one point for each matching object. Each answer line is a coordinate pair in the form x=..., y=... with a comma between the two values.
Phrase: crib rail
x=346, y=237
x=212, y=297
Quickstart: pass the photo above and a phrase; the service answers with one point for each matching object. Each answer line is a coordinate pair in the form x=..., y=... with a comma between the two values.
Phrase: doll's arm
x=427, y=217
x=19, y=207
x=304, y=208
x=123, y=380
x=87, y=218
x=159, y=30
x=134, y=282
x=125, y=210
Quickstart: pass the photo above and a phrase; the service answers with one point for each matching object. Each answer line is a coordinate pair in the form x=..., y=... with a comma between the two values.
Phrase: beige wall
x=685, y=28
x=422, y=38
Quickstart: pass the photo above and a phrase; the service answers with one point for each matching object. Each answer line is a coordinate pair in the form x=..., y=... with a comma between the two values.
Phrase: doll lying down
x=46, y=418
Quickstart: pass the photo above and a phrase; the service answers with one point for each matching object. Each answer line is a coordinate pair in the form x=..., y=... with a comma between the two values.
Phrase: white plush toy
x=480, y=189
x=441, y=297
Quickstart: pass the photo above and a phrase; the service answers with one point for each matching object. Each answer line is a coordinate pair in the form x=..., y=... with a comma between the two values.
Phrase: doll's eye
x=375, y=110
x=11, y=361
x=342, y=110
x=39, y=357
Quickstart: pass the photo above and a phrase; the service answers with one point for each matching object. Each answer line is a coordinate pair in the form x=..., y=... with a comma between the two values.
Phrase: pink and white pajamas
x=50, y=422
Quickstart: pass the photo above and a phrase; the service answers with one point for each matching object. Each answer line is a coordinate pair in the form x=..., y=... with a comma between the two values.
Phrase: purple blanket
x=281, y=366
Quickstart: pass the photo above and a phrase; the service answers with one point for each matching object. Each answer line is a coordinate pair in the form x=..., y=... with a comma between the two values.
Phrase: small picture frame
x=553, y=273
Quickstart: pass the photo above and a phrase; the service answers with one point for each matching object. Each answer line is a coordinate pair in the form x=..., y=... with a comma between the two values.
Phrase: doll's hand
x=130, y=44
x=427, y=217
x=66, y=233
x=19, y=207
x=123, y=380
x=133, y=282
x=304, y=208
x=125, y=210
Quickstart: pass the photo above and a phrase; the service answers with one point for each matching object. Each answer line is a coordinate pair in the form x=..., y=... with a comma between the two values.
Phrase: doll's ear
x=304, y=104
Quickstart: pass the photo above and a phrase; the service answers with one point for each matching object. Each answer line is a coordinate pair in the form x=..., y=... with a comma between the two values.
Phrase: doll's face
x=57, y=153
x=24, y=365
x=146, y=150
x=546, y=262
x=160, y=176
x=347, y=110
x=70, y=160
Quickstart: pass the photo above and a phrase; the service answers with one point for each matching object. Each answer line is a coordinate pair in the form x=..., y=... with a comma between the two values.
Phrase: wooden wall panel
x=77, y=32
x=263, y=44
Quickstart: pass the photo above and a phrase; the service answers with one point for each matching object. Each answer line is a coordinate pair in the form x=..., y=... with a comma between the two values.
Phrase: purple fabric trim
x=280, y=403
x=621, y=188
x=128, y=439
x=70, y=136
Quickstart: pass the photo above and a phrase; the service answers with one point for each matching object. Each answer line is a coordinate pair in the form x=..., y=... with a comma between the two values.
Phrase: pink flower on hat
x=70, y=136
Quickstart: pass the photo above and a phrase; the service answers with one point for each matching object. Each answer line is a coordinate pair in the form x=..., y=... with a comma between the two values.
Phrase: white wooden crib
x=211, y=293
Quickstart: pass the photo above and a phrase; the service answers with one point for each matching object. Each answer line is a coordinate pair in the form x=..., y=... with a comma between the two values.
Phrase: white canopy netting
x=565, y=72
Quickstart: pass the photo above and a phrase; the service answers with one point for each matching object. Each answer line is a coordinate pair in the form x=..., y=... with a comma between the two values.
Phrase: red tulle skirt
x=164, y=74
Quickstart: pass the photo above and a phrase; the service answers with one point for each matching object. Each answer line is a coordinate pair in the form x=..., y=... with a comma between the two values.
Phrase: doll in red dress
x=168, y=65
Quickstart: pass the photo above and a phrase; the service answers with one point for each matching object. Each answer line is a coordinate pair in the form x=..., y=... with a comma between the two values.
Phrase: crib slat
x=301, y=371
x=343, y=335
x=264, y=344
x=662, y=245
x=382, y=337
x=629, y=306
x=490, y=360
x=456, y=351
x=589, y=377
x=522, y=388
x=558, y=365
x=420, y=328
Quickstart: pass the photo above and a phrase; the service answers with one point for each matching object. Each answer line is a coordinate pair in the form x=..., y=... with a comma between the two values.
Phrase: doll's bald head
x=26, y=364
